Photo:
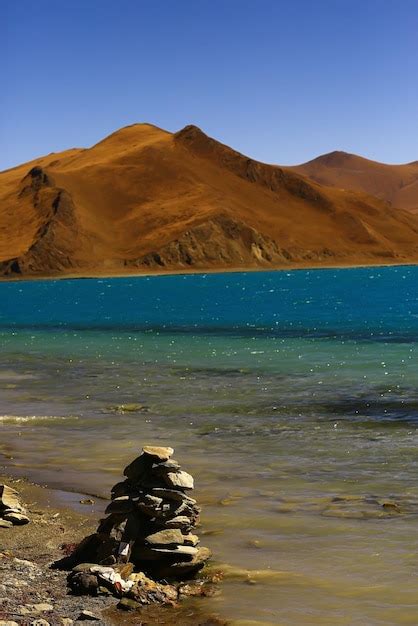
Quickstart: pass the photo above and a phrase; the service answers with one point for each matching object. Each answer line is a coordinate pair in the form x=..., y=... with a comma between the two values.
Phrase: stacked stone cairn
x=147, y=535
x=12, y=512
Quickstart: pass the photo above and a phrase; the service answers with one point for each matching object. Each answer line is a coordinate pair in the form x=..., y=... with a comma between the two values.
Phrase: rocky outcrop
x=54, y=241
x=221, y=241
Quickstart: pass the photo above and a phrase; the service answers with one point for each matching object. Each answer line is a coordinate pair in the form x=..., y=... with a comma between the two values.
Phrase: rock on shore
x=146, y=544
x=12, y=512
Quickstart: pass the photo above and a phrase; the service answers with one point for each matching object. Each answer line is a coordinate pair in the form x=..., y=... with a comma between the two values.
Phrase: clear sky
x=282, y=81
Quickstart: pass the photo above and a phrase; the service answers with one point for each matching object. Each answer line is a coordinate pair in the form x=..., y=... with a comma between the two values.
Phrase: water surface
x=291, y=396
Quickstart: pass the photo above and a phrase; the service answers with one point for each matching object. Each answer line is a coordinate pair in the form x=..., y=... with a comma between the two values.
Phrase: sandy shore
x=31, y=590
x=202, y=270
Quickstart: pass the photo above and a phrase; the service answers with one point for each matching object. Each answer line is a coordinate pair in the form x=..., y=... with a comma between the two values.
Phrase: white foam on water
x=22, y=419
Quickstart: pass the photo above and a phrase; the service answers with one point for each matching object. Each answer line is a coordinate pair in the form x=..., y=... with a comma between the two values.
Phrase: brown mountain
x=398, y=184
x=144, y=199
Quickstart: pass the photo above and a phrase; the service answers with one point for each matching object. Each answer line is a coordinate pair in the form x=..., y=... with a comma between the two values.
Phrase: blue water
x=363, y=303
x=279, y=390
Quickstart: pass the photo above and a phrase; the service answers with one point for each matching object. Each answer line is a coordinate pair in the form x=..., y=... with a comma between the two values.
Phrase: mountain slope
x=397, y=184
x=145, y=199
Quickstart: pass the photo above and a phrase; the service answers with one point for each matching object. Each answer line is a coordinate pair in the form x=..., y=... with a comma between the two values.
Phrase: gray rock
x=88, y=615
x=172, y=494
x=167, y=466
x=158, y=452
x=165, y=537
x=18, y=519
x=186, y=552
x=128, y=604
x=180, y=480
x=121, y=504
x=183, y=569
x=9, y=498
x=5, y=524
x=180, y=521
x=42, y=607
x=190, y=540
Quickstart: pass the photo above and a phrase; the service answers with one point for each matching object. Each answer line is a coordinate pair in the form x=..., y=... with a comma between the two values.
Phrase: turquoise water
x=291, y=396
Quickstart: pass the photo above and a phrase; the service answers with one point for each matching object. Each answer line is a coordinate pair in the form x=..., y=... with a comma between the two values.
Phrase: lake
x=290, y=396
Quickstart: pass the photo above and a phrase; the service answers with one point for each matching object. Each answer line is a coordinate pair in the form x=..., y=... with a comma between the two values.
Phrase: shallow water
x=291, y=396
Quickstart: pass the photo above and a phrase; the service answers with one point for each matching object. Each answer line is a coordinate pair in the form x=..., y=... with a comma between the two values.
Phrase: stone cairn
x=147, y=534
x=12, y=512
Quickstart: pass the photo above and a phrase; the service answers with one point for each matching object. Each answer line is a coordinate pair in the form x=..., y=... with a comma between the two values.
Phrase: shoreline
x=30, y=589
x=201, y=271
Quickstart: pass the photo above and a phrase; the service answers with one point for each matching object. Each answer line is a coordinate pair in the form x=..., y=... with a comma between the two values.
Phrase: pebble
x=42, y=607
x=22, y=610
x=8, y=623
x=66, y=621
x=88, y=615
x=40, y=622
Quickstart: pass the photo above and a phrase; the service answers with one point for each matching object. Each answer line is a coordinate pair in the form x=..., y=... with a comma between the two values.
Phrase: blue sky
x=282, y=81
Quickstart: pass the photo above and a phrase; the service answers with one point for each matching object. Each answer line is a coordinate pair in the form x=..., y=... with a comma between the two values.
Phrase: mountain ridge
x=144, y=199
x=395, y=183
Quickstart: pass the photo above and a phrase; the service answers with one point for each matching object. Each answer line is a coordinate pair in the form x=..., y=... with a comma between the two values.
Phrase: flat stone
x=5, y=524
x=180, y=521
x=180, y=551
x=84, y=567
x=190, y=540
x=158, y=452
x=128, y=604
x=167, y=466
x=8, y=623
x=172, y=494
x=39, y=622
x=22, y=610
x=121, y=504
x=125, y=488
x=42, y=607
x=177, y=571
x=9, y=498
x=144, y=553
x=165, y=537
x=82, y=583
x=180, y=480
x=88, y=615
x=17, y=519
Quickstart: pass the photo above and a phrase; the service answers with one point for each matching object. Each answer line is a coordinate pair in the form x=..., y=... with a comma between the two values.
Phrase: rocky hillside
x=144, y=199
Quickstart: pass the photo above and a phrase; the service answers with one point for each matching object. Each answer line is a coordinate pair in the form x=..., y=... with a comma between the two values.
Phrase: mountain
x=397, y=184
x=144, y=200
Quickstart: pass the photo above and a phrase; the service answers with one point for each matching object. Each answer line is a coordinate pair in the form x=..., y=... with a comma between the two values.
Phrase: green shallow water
x=301, y=432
